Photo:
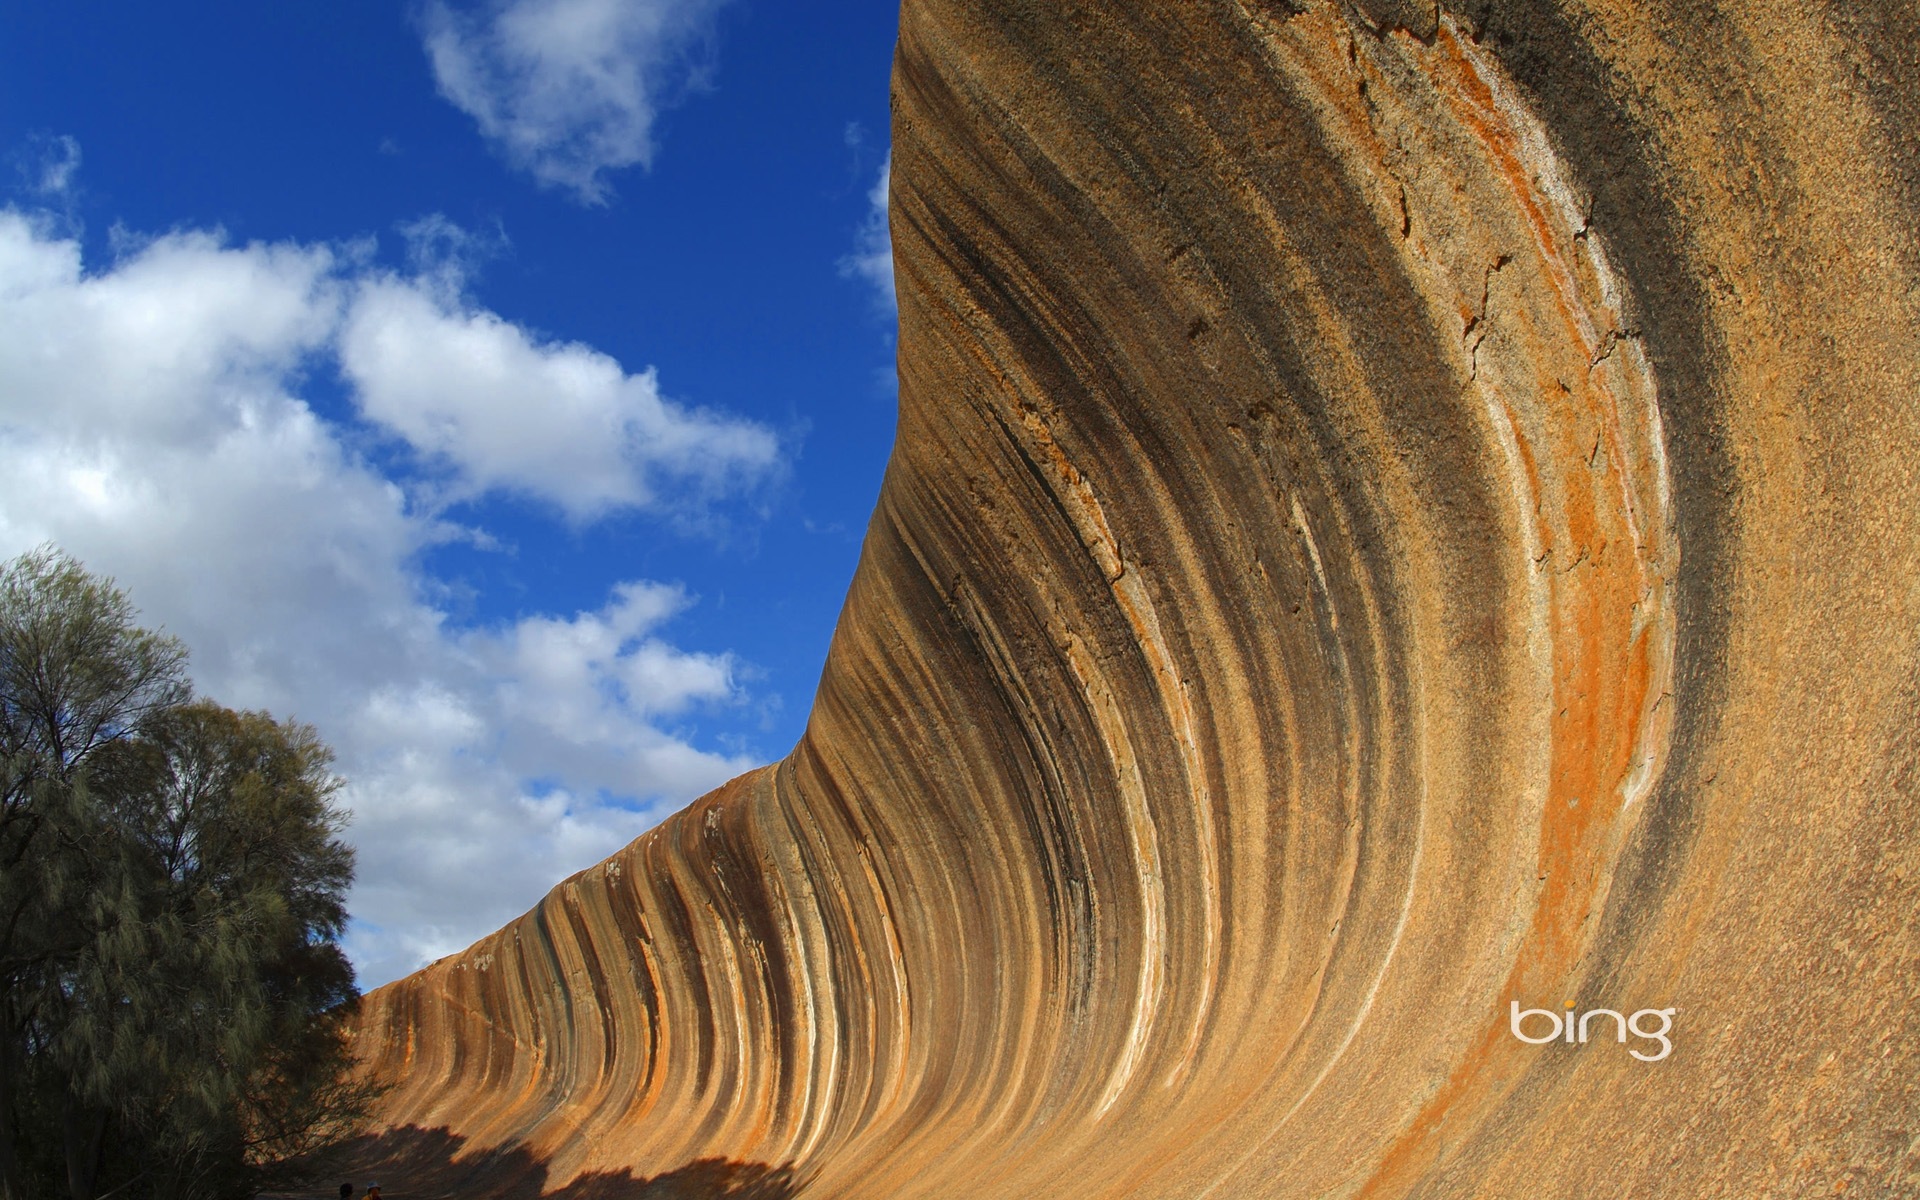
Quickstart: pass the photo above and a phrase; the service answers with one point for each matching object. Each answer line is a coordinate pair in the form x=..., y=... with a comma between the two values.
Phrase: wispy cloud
x=872, y=256
x=48, y=165
x=568, y=90
x=152, y=422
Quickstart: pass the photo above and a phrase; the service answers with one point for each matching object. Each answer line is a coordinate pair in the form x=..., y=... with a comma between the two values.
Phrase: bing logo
x=1566, y=1028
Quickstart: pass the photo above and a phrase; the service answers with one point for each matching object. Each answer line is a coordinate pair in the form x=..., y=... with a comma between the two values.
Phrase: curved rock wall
x=1397, y=511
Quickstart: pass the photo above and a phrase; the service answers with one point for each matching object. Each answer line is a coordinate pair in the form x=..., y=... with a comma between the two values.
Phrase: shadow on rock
x=698, y=1180
x=427, y=1164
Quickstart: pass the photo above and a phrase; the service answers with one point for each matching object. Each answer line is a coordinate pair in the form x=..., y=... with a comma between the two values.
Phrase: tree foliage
x=172, y=892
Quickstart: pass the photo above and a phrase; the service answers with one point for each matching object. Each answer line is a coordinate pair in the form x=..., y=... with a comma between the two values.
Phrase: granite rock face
x=1398, y=511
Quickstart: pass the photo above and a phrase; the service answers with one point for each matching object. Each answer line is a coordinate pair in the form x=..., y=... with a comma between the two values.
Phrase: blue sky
x=501, y=387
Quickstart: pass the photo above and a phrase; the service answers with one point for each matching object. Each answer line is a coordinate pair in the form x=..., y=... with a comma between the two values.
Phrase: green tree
x=174, y=1019
x=75, y=675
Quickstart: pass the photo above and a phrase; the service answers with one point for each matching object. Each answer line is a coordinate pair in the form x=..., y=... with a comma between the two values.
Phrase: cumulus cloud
x=872, y=257
x=567, y=90
x=152, y=423
x=505, y=410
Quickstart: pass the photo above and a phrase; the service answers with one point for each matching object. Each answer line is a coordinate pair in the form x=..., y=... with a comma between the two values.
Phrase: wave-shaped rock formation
x=1398, y=511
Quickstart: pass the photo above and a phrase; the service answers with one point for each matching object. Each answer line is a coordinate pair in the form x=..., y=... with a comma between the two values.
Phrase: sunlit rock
x=1401, y=516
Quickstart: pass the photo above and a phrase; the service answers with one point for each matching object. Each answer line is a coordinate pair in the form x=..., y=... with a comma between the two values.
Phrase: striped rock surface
x=1398, y=511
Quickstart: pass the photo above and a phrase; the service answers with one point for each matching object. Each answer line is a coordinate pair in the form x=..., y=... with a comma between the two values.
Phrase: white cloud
x=504, y=410
x=48, y=164
x=872, y=257
x=152, y=424
x=567, y=89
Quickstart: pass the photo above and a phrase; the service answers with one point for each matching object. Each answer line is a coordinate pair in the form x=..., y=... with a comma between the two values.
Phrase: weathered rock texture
x=1396, y=511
